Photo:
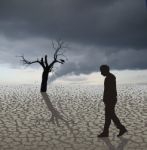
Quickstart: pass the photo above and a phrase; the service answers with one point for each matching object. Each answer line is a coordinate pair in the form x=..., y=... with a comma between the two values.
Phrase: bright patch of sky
x=33, y=76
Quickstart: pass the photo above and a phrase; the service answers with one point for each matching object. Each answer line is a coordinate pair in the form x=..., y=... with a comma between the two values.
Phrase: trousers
x=110, y=115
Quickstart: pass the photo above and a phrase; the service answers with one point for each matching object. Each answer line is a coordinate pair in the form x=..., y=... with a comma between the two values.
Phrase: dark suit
x=110, y=99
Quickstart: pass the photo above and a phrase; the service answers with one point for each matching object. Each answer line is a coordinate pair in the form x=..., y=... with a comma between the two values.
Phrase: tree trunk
x=44, y=81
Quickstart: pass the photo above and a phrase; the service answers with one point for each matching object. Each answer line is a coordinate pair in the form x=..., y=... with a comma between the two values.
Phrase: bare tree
x=47, y=68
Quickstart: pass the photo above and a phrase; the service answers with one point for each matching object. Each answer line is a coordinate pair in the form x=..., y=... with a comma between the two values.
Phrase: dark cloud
x=100, y=22
x=98, y=31
x=91, y=61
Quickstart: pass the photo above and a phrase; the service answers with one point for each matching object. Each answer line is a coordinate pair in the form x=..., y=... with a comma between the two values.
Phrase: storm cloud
x=97, y=31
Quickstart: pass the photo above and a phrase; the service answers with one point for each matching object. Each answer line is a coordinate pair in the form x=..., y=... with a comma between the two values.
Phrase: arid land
x=70, y=118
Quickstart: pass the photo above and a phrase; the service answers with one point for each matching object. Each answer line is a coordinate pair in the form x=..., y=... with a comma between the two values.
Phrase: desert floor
x=70, y=118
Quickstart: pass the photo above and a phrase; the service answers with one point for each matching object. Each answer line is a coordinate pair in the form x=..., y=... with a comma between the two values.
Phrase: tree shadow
x=121, y=145
x=55, y=114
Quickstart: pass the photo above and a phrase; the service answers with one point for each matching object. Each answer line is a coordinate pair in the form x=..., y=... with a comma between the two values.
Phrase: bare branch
x=58, y=48
x=25, y=61
x=42, y=63
x=58, y=56
x=62, y=54
x=46, y=62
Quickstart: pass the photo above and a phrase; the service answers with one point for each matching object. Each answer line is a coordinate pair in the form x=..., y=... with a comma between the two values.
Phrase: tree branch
x=42, y=63
x=57, y=58
x=46, y=62
x=57, y=47
x=25, y=61
x=28, y=62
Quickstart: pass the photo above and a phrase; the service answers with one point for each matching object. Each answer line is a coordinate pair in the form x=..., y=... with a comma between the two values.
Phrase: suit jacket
x=110, y=92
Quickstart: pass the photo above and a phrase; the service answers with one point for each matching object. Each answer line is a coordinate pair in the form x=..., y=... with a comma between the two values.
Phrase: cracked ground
x=70, y=118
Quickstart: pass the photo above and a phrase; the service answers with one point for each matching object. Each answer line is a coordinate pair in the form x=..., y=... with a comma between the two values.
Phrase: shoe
x=103, y=134
x=122, y=131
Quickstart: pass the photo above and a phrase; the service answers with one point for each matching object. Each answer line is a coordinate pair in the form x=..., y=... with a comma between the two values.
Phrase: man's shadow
x=55, y=114
x=121, y=145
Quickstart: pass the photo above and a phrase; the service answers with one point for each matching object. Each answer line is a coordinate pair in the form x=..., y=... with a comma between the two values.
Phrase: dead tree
x=47, y=68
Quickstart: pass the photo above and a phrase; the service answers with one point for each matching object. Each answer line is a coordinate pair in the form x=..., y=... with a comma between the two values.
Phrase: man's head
x=104, y=70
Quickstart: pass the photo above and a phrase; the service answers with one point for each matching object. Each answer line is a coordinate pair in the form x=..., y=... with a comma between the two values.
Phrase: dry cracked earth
x=70, y=118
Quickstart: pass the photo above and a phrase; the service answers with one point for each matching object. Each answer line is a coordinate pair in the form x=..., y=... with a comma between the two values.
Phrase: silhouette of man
x=110, y=100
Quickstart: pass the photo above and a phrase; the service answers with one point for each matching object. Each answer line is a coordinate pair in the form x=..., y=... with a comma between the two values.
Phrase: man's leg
x=107, y=118
x=105, y=132
x=117, y=122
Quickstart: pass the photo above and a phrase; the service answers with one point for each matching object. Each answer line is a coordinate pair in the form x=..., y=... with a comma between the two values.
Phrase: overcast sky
x=112, y=32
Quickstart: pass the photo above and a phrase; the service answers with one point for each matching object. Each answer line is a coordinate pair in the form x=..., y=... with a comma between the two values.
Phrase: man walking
x=110, y=100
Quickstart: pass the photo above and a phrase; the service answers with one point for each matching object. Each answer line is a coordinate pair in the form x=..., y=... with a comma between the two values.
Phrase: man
x=110, y=99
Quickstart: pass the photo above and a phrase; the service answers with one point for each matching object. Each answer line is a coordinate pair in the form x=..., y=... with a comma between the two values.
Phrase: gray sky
x=98, y=32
